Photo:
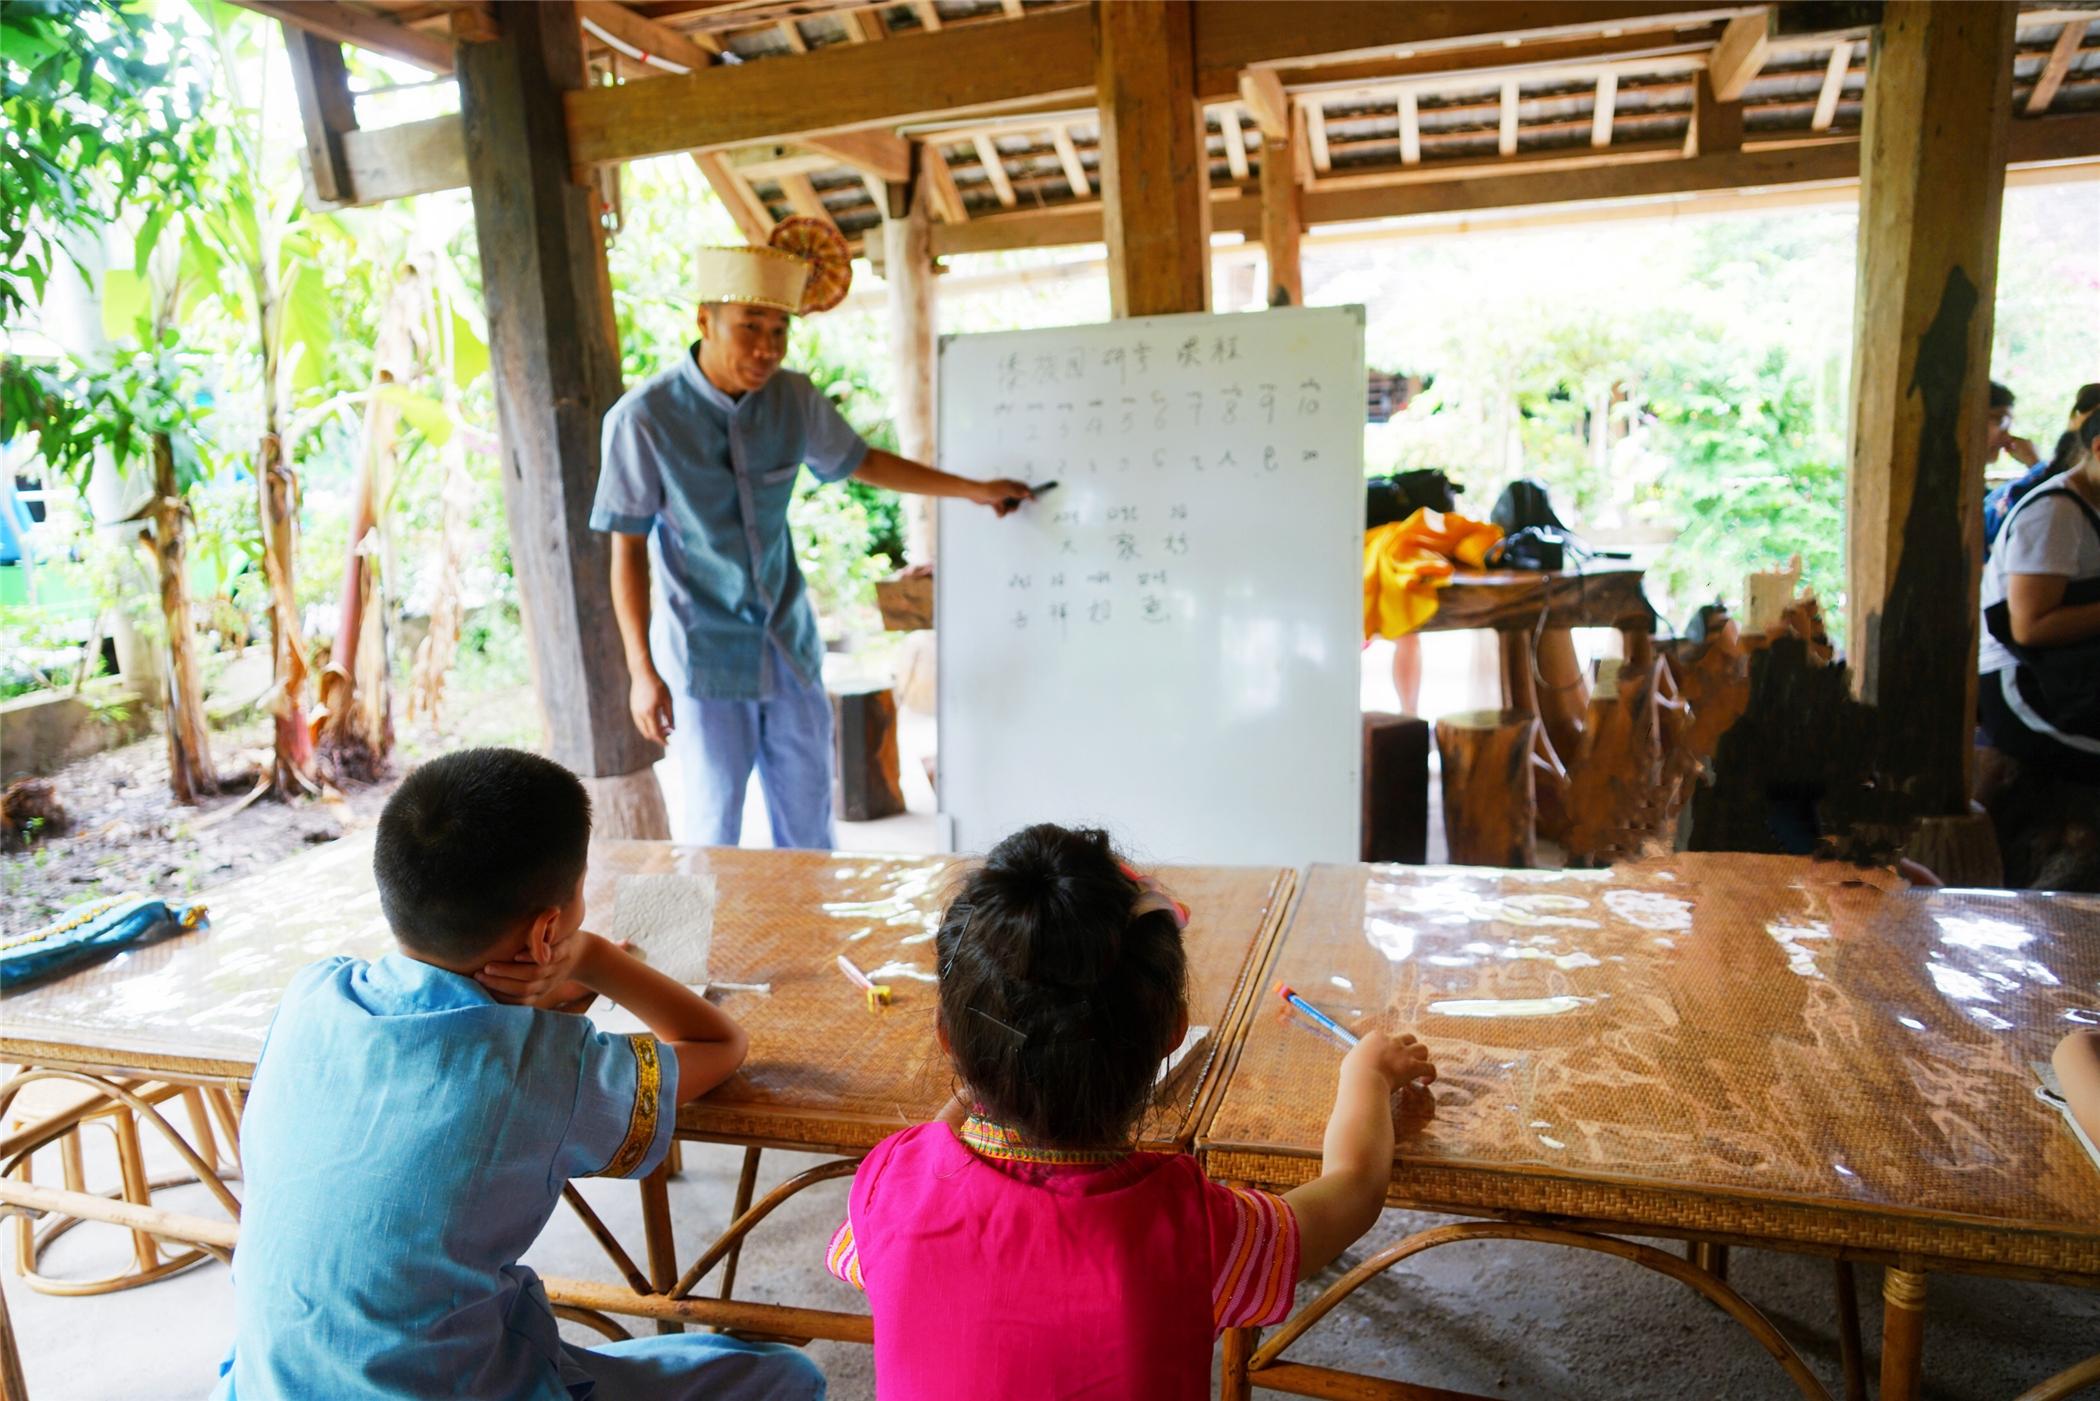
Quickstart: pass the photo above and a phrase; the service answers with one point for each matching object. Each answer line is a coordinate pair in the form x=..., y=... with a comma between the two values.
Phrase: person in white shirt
x=2041, y=610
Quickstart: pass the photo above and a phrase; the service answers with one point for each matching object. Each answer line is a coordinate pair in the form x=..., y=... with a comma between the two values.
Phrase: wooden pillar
x=1282, y=216
x=1155, y=160
x=907, y=243
x=1932, y=168
x=557, y=370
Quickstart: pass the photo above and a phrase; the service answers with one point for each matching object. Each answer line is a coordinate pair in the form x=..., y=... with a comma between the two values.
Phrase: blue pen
x=1283, y=990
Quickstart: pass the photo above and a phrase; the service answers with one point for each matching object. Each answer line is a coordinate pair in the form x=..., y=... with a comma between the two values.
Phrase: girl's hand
x=1400, y=1060
x=525, y=982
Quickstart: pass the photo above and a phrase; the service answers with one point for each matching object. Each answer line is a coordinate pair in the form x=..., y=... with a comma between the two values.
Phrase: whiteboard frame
x=945, y=580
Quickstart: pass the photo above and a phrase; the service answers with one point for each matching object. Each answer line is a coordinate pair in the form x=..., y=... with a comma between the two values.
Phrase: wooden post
x=1490, y=794
x=1155, y=161
x=907, y=242
x=326, y=110
x=1932, y=180
x=1282, y=216
x=557, y=370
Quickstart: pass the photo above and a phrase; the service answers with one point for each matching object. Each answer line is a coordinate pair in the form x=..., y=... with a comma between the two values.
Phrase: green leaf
x=470, y=353
x=125, y=302
x=148, y=238
x=425, y=414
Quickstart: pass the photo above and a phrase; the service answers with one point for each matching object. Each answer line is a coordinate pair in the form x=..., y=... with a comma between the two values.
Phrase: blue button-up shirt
x=708, y=478
x=406, y=1140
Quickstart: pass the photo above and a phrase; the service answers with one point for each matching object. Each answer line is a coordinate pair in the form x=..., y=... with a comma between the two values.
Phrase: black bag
x=2061, y=684
x=1395, y=498
x=1524, y=504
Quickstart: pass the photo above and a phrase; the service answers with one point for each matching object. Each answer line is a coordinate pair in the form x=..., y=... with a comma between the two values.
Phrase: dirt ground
x=128, y=836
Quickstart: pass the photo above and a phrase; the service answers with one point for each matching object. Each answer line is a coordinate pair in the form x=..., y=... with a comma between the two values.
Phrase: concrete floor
x=1515, y=1320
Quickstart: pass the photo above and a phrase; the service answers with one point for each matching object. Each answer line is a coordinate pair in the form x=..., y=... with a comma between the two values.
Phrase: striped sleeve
x=1254, y=1242
x=843, y=1257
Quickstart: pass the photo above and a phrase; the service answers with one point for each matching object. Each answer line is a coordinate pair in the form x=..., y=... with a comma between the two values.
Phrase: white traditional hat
x=805, y=267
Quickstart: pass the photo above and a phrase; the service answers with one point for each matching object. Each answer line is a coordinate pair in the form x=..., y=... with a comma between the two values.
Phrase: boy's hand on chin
x=525, y=982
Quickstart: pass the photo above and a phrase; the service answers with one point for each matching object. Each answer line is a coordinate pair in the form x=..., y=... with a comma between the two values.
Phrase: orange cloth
x=1406, y=562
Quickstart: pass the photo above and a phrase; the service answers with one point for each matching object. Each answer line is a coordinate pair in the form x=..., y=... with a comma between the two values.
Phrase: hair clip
x=1020, y=1037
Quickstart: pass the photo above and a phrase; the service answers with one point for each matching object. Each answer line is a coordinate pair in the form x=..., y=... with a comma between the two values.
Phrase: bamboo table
x=1720, y=1049
x=823, y=1075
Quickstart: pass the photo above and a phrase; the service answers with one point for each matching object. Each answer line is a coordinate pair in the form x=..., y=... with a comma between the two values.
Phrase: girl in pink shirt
x=1032, y=1252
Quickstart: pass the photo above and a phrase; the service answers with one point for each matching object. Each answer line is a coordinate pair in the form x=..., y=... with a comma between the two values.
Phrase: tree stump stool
x=870, y=783
x=1490, y=800
x=1396, y=789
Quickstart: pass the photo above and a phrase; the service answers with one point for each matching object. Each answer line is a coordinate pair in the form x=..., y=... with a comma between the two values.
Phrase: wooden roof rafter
x=1009, y=99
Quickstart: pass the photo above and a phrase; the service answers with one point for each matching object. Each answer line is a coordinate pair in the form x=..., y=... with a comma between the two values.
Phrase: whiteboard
x=1167, y=644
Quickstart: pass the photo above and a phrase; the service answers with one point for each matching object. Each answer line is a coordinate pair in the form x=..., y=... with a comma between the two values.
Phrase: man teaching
x=699, y=463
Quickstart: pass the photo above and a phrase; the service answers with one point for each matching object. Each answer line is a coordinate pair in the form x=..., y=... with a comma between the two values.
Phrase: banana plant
x=255, y=245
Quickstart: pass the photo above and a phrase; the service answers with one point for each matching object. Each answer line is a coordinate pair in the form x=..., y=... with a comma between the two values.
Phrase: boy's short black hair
x=475, y=841
x=2001, y=397
x=1057, y=1000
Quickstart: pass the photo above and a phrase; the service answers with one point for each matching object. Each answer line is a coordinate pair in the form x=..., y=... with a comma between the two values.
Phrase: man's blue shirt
x=405, y=1141
x=708, y=478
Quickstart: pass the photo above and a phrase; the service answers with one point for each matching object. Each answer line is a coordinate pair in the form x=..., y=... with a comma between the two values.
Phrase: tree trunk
x=434, y=654
x=277, y=500
x=190, y=768
x=355, y=713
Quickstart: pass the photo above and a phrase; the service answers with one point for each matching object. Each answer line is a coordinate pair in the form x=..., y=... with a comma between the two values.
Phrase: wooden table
x=1722, y=1049
x=823, y=1074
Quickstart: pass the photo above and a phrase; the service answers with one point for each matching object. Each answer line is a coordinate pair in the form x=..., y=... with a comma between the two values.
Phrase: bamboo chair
x=54, y=1109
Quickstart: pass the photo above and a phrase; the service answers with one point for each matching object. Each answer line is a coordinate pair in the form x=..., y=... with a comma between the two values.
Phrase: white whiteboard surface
x=1167, y=644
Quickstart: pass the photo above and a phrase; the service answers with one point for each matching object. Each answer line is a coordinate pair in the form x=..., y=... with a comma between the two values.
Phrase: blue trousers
x=786, y=736
x=690, y=1367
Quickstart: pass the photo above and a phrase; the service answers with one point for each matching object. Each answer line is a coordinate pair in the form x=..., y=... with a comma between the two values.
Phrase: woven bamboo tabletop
x=823, y=1072
x=1758, y=1047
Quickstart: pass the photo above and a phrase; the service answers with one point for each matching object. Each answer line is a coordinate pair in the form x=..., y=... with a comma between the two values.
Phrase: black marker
x=1014, y=501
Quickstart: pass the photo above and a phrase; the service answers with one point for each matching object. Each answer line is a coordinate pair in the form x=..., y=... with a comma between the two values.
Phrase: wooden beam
x=907, y=240
x=1232, y=37
x=1741, y=54
x=413, y=158
x=326, y=111
x=1437, y=66
x=555, y=360
x=1267, y=103
x=753, y=220
x=947, y=199
x=2068, y=40
x=1012, y=8
x=1410, y=118
x=1933, y=152
x=1155, y=168
x=1235, y=140
x=1557, y=158
x=1827, y=172
x=841, y=86
x=1506, y=137
x=994, y=169
x=632, y=34
x=865, y=26
x=1282, y=221
x=1068, y=157
x=880, y=153
x=1606, y=107
x=929, y=17
x=1716, y=126
x=803, y=199
x=1300, y=143
x=792, y=32
x=1316, y=134
x=1833, y=86
x=343, y=25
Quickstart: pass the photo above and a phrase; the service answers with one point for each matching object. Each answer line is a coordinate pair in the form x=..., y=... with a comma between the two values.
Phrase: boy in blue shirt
x=414, y=1120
